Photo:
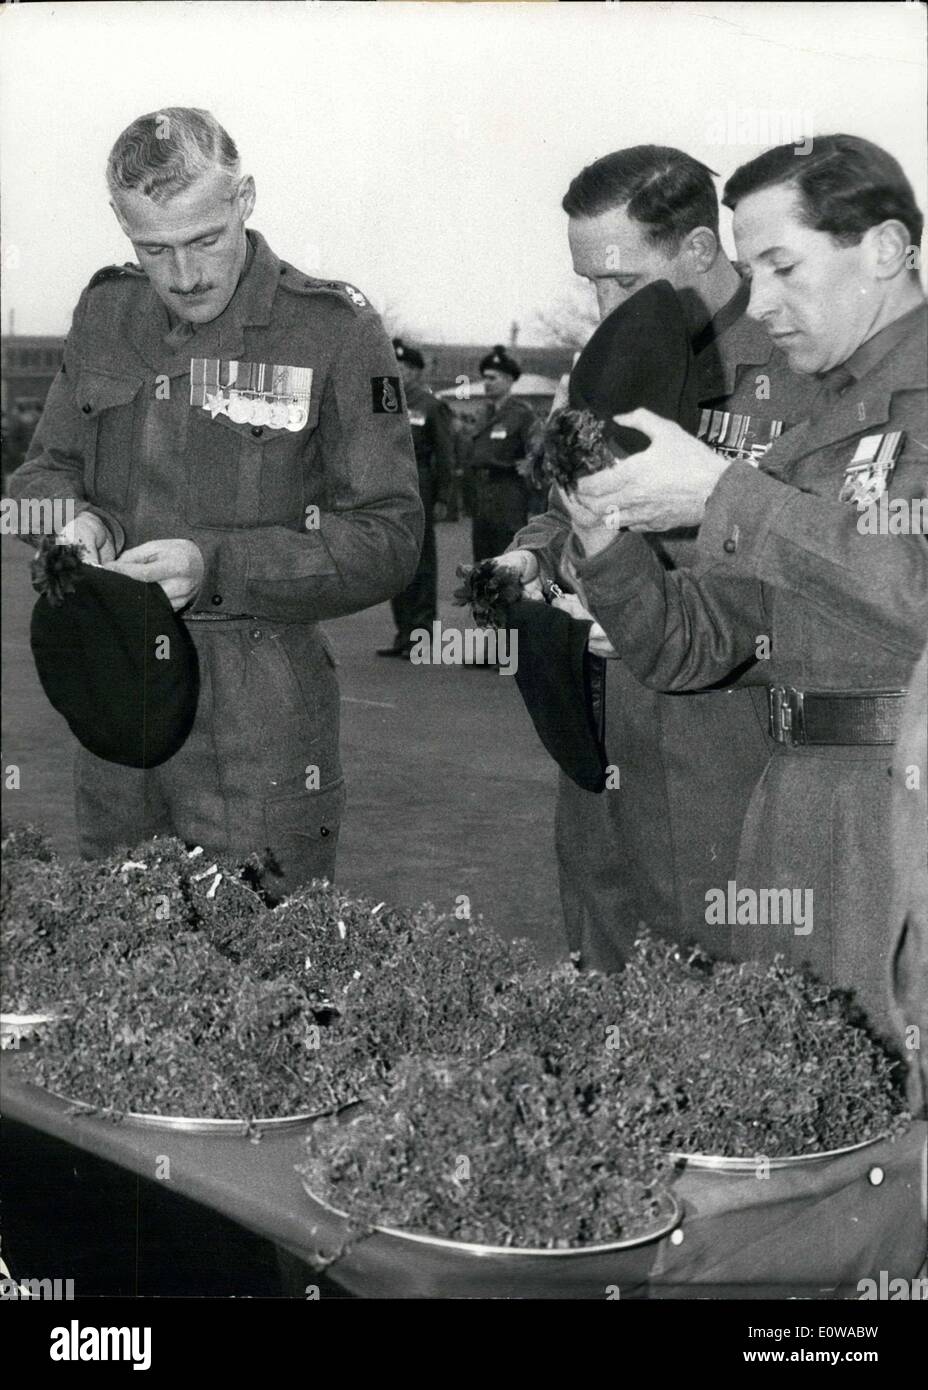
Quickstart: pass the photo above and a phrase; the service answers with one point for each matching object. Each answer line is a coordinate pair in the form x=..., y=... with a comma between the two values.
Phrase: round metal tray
x=459, y=1247
x=190, y=1124
x=720, y=1164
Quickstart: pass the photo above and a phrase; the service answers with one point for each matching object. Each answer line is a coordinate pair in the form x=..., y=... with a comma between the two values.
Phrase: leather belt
x=834, y=717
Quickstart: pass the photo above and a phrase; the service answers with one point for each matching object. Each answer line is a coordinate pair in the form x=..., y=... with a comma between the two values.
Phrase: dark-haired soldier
x=433, y=440
x=645, y=851
x=810, y=574
x=500, y=462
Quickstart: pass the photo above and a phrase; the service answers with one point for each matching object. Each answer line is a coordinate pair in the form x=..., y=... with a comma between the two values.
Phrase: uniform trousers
x=259, y=771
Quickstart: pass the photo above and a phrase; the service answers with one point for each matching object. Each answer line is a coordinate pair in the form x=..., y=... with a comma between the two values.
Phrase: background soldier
x=433, y=440
x=636, y=854
x=233, y=430
x=500, y=457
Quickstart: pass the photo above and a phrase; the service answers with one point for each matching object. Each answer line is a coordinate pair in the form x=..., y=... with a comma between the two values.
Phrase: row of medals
x=279, y=414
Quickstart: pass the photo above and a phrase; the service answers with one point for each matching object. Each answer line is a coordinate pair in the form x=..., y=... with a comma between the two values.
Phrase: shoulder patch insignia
x=355, y=296
x=386, y=398
x=117, y=272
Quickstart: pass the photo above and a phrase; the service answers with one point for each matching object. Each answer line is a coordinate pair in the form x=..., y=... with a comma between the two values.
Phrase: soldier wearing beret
x=500, y=457
x=433, y=440
x=644, y=851
x=233, y=430
x=810, y=576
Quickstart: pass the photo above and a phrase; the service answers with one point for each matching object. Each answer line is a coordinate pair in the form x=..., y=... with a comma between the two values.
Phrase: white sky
x=421, y=150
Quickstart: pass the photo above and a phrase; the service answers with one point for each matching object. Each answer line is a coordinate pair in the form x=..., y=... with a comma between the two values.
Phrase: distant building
x=28, y=366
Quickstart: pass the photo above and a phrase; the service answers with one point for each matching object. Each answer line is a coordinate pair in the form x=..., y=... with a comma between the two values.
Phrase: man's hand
x=597, y=641
x=176, y=565
x=526, y=563
x=593, y=529
x=92, y=535
x=664, y=487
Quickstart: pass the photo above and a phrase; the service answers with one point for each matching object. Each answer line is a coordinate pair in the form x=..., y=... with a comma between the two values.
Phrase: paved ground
x=449, y=789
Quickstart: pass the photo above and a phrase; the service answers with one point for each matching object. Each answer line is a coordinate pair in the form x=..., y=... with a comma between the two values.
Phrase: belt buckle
x=787, y=715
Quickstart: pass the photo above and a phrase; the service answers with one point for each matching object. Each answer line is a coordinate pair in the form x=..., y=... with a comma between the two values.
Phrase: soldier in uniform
x=234, y=430
x=430, y=419
x=644, y=851
x=810, y=576
x=500, y=457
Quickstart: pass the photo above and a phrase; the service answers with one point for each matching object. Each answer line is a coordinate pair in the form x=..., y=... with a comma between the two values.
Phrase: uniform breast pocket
x=242, y=474
x=107, y=405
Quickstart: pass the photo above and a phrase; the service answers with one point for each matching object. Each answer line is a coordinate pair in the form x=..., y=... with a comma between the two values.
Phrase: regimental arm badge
x=252, y=393
x=867, y=475
x=385, y=395
x=738, y=437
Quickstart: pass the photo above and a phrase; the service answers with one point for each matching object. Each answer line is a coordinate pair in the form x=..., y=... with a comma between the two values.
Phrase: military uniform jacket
x=432, y=438
x=503, y=439
x=651, y=846
x=838, y=597
x=297, y=525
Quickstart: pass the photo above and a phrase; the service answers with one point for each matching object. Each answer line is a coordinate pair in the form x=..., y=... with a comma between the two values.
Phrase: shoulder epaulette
x=117, y=272
x=295, y=280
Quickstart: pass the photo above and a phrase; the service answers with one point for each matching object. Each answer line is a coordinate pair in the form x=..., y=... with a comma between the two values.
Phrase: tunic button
x=257, y=431
x=87, y=408
x=216, y=600
x=730, y=546
x=256, y=634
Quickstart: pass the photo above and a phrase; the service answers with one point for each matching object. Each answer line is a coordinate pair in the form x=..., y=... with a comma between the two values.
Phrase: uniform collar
x=873, y=350
x=894, y=360
x=730, y=341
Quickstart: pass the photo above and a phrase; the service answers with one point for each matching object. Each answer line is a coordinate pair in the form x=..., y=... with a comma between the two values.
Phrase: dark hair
x=667, y=191
x=845, y=185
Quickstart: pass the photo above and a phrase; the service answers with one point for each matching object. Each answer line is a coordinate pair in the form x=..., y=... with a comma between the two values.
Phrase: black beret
x=410, y=355
x=639, y=356
x=561, y=682
x=499, y=361
x=113, y=659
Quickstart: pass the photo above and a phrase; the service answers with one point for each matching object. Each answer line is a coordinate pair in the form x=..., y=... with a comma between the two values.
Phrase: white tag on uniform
x=498, y=432
x=416, y=417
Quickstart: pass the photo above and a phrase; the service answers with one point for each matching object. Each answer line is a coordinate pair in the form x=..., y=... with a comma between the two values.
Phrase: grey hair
x=164, y=152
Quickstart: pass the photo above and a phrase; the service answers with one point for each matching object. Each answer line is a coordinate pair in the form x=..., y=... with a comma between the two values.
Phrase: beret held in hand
x=113, y=658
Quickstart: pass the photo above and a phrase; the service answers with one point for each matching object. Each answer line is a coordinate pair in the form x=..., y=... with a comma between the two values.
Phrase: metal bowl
x=190, y=1124
x=719, y=1163
x=392, y=1263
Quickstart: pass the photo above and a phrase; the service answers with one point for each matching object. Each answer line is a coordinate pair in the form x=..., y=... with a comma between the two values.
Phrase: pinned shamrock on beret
x=639, y=357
